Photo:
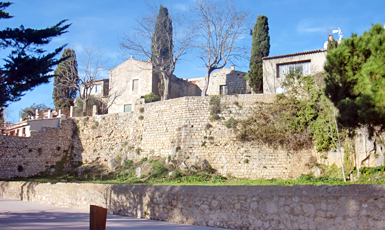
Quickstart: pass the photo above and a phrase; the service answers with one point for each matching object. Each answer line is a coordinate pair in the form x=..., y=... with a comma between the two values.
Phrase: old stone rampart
x=234, y=207
x=177, y=129
x=28, y=156
x=181, y=129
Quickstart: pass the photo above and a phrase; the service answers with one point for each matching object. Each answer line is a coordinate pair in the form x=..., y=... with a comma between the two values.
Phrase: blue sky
x=295, y=26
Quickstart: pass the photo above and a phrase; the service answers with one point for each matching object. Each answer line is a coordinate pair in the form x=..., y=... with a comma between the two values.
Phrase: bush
x=143, y=160
x=215, y=104
x=231, y=123
x=151, y=97
x=160, y=171
x=90, y=103
x=214, y=117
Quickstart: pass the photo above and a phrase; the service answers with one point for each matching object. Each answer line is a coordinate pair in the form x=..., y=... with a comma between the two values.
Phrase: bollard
x=98, y=218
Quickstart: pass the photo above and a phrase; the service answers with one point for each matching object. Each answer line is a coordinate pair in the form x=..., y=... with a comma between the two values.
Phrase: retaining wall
x=234, y=207
x=28, y=156
x=181, y=129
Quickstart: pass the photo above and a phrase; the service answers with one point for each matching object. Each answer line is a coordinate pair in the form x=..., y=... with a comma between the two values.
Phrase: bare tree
x=93, y=64
x=141, y=41
x=221, y=26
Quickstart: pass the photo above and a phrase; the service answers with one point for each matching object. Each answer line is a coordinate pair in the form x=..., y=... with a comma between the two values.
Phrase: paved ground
x=28, y=215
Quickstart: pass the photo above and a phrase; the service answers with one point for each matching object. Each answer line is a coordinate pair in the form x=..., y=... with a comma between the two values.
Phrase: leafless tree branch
x=221, y=26
x=139, y=42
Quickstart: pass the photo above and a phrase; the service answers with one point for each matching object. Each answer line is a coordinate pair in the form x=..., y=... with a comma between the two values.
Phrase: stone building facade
x=135, y=78
x=128, y=82
x=275, y=68
x=224, y=82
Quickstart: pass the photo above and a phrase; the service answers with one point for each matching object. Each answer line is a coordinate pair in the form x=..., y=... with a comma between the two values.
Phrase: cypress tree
x=162, y=50
x=64, y=94
x=161, y=46
x=260, y=48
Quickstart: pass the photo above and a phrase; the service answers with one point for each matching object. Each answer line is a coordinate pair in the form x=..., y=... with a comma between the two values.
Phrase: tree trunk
x=1, y=120
x=207, y=80
x=166, y=81
x=1, y=116
x=85, y=107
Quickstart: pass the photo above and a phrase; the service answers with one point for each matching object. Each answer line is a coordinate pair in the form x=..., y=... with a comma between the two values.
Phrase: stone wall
x=180, y=88
x=28, y=156
x=180, y=128
x=234, y=207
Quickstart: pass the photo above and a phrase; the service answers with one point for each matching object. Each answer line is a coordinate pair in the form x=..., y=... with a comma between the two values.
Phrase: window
x=97, y=89
x=223, y=89
x=303, y=67
x=127, y=108
x=135, y=85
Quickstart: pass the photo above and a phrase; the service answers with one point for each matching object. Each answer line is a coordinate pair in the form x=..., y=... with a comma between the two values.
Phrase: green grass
x=159, y=175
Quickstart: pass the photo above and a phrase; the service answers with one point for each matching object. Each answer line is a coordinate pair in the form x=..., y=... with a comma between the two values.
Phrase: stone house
x=276, y=68
x=135, y=78
x=224, y=82
x=100, y=88
x=24, y=128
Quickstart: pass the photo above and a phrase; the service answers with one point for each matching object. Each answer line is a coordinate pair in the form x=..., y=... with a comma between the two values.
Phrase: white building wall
x=271, y=81
x=121, y=82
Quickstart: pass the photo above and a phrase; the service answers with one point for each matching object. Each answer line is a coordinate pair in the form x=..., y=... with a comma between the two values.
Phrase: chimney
x=232, y=67
x=330, y=38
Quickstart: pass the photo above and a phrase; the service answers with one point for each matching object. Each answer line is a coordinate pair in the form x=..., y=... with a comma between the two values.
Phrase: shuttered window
x=302, y=67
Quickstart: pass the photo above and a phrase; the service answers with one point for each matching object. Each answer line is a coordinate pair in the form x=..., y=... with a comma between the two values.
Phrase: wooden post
x=98, y=218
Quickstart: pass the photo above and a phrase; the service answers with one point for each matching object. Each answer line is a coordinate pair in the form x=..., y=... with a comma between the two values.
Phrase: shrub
x=214, y=117
x=90, y=103
x=96, y=124
x=237, y=104
x=141, y=117
x=151, y=97
x=138, y=150
x=143, y=160
x=160, y=171
x=231, y=123
x=218, y=178
x=215, y=104
x=141, y=110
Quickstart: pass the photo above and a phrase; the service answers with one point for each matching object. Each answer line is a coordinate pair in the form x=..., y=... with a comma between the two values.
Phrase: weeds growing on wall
x=215, y=107
x=299, y=118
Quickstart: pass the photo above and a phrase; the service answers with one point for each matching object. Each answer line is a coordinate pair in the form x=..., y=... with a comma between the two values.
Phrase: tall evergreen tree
x=27, y=65
x=260, y=48
x=355, y=80
x=64, y=94
x=162, y=50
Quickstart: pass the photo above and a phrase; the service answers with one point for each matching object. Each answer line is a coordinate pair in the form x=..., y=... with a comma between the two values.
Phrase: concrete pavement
x=27, y=215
